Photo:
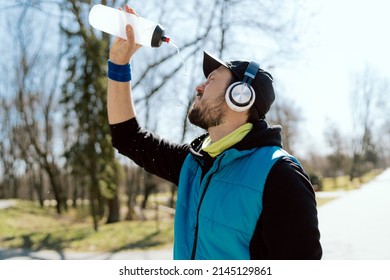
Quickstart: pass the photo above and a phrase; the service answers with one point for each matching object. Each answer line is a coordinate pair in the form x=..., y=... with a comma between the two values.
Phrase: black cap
x=262, y=84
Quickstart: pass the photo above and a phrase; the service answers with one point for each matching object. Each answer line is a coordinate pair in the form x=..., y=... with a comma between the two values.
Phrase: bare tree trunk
x=173, y=196
x=37, y=181
x=94, y=204
x=149, y=187
x=114, y=215
x=132, y=184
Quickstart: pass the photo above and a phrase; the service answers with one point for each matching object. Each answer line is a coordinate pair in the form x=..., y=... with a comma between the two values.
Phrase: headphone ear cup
x=240, y=96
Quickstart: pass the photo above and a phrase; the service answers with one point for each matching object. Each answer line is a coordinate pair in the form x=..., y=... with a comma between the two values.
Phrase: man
x=240, y=196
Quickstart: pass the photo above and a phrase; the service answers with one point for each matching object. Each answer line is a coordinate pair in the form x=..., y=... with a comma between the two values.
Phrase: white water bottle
x=114, y=21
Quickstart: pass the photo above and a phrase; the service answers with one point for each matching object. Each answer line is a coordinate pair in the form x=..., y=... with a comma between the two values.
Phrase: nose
x=200, y=88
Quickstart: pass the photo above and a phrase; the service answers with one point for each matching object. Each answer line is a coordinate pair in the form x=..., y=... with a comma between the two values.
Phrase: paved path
x=357, y=224
x=20, y=254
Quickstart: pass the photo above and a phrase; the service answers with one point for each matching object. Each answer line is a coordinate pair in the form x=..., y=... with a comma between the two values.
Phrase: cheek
x=214, y=91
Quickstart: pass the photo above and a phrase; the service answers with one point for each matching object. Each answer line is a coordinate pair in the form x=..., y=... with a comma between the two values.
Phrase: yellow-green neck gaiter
x=214, y=149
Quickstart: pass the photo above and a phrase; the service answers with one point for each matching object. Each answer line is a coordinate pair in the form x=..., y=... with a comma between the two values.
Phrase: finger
x=130, y=33
x=130, y=10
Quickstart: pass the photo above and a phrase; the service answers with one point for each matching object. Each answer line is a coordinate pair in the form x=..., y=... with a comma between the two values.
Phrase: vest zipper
x=198, y=211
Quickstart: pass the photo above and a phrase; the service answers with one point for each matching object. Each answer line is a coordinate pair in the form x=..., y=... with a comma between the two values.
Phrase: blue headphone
x=240, y=96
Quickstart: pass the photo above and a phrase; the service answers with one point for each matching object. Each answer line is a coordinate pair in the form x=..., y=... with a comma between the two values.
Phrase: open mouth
x=197, y=99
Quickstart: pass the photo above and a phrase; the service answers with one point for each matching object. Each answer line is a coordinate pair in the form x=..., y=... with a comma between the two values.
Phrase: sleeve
x=288, y=226
x=156, y=155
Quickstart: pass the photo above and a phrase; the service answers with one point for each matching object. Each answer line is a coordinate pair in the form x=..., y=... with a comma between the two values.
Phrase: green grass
x=28, y=226
x=344, y=182
x=323, y=200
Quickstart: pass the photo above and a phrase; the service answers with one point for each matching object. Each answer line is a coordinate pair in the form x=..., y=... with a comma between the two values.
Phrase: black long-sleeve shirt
x=288, y=225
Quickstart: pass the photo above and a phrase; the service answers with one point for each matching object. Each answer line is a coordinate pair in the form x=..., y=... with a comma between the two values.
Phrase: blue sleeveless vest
x=216, y=215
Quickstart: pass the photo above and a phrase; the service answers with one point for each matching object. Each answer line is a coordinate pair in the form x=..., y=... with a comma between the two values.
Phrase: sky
x=345, y=36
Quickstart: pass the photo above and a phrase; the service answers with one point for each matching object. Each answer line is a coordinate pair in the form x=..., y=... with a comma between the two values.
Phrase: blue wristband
x=119, y=73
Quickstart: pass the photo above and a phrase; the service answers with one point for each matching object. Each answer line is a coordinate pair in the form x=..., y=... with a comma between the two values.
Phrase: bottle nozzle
x=166, y=39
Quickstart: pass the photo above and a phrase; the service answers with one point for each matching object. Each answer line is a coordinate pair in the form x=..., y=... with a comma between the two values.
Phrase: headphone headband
x=250, y=72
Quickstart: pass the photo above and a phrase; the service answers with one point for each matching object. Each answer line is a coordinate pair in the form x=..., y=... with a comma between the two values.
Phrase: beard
x=207, y=115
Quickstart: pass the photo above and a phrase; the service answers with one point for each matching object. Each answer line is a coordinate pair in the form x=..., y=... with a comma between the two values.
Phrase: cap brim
x=210, y=63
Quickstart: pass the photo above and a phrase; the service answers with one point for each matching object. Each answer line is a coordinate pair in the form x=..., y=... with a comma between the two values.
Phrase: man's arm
x=156, y=155
x=148, y=150
x=120, y=105
x=288, y=225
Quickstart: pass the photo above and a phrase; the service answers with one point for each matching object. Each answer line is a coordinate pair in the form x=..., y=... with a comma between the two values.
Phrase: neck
x=228, y=126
